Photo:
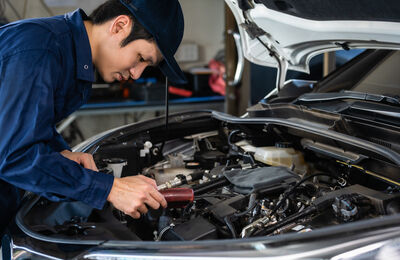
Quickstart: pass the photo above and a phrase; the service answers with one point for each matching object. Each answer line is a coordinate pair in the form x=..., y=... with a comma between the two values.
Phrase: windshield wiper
x=316, y=97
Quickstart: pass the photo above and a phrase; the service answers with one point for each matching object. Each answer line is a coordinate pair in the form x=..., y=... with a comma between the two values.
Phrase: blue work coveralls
x=46, y=73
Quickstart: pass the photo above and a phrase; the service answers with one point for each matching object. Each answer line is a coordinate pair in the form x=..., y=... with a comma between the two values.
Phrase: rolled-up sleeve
x=29, y=144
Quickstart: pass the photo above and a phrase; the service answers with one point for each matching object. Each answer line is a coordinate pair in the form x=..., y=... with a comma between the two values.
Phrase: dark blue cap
x=163, y=19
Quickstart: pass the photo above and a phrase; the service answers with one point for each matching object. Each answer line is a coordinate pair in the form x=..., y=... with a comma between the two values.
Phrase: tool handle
x=178, y=197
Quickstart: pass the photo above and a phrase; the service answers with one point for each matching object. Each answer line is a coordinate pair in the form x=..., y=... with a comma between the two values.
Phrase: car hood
x=287, y=34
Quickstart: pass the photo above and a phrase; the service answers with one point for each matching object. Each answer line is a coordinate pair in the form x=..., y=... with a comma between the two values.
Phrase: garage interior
x=208, y=36
x=203, y=40
x=208, y=49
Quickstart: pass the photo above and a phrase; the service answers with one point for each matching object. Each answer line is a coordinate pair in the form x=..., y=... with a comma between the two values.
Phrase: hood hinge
x=253, y=30
x=256, y=32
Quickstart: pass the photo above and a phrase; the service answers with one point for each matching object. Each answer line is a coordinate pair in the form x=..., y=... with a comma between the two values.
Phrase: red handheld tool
x=178, y=197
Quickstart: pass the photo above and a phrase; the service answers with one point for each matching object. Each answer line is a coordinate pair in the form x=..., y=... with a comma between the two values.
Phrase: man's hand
x=132, y=194
x=84, y=159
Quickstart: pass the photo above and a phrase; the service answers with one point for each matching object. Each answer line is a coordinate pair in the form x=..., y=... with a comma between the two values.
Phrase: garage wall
x=204, y=25
x=36, y=8
x=204, y=20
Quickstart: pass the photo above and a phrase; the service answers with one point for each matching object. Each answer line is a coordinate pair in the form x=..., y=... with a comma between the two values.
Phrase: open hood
x=287, y=34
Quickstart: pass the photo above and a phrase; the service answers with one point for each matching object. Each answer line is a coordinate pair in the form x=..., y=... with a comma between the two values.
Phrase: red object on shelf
x=216, y=81
x=178, y=197
x=180, y=91
x=126, y=93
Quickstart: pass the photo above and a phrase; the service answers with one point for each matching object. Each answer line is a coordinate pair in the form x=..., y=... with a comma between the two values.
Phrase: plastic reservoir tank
x=282, y=154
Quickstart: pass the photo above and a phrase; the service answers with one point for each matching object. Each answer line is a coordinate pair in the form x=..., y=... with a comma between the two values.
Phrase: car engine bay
x=226, y=181
x=251, y=191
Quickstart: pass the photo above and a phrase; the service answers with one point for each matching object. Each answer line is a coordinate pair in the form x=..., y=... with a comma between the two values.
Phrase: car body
x=310, y=172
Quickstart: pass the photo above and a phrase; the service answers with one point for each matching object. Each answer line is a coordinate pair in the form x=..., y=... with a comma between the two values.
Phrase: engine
x=231, y=184
x=233, y=179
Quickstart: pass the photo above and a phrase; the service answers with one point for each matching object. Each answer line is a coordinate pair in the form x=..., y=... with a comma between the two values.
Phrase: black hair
x=113, y=8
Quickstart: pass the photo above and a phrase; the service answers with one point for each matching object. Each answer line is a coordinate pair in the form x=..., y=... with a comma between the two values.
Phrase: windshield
x=384, y=79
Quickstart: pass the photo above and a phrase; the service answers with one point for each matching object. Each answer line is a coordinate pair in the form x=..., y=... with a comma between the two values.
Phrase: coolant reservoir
x=281, y=155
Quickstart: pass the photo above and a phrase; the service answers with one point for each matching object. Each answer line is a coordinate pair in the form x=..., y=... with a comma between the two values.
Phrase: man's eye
x=141, y=59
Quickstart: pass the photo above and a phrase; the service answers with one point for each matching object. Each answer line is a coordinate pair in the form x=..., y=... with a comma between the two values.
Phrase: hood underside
x=278, y=34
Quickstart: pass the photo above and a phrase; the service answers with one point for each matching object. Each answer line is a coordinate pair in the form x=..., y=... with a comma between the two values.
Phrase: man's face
x=121, y=63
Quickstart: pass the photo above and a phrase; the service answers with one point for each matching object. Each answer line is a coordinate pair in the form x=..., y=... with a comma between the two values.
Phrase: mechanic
x=46, y=71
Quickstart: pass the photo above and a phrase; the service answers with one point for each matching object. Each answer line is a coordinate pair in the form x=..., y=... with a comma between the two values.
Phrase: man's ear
x=121, y=26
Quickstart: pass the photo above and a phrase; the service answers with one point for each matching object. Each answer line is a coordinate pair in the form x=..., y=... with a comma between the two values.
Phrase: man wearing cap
x=46, y=70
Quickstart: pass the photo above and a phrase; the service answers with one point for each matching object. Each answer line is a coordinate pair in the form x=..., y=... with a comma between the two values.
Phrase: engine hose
x=211, y=185
x=318, y=205
x=250, y=207
x=230, y=137
x=308, y=211
x=230, y=226
x=291, y=190
x=227, y=219
x=285, y=207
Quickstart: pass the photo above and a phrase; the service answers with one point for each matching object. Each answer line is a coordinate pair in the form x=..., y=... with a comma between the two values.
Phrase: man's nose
x=137, y=71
